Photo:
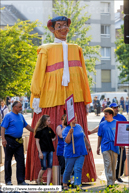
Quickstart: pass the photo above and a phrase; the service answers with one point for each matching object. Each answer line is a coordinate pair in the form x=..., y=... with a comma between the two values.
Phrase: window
x=105, y=31
x=105, y=75
x=106, y=53
x=105, y=8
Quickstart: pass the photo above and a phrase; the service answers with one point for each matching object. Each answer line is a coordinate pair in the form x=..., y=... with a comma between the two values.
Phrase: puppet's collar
x=56, y=40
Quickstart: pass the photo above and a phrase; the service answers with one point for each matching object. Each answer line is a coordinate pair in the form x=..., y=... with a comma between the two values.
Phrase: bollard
x=26, y=142
x=126, y=167
x=0, y=154
x=56, y=175
x=32, y=113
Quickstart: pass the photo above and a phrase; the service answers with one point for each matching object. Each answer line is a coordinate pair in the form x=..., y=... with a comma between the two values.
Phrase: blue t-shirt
x=60, y=145
x=80, y=148
x=107, y=132
x=118, y=117
x=14, y=124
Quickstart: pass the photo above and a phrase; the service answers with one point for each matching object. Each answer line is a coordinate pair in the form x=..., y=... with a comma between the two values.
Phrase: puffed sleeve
x=39, y=74
x=86, y=77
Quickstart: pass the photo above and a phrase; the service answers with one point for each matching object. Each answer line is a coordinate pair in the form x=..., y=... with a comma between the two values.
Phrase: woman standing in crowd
x=44, y=136
x=127, y=104
x=108, y=102
x=74, y=160
x=25, y=103
x=3, y=109
x=122, y=102
x=60, y=149
x=104, y=104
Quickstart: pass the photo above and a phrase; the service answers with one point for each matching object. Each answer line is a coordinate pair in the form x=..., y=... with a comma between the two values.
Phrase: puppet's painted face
x=61, y=30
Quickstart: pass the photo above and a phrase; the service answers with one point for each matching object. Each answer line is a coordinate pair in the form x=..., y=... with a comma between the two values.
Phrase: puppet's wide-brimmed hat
x=51, y=22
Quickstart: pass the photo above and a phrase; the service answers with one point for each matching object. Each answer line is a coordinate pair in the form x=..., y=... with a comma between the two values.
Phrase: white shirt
x=5, y=111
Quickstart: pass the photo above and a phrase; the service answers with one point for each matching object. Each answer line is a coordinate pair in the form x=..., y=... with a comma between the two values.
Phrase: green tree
x=77, y=33
x=17, y=59
x=122, y=55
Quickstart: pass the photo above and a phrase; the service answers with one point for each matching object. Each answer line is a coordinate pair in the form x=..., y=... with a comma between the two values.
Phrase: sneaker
x=9, y=183
x=23, y=183
x=119, y=180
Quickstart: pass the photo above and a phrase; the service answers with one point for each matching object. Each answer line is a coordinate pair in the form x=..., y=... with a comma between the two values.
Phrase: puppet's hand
x=35, y=105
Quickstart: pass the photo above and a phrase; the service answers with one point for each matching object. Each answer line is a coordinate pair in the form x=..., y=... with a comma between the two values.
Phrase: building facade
x=118, y=22
x=102, y=24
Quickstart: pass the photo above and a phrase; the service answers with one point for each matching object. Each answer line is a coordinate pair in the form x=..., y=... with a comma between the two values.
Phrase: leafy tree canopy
x=77, y=33
x=122, y=55
x=17, y=59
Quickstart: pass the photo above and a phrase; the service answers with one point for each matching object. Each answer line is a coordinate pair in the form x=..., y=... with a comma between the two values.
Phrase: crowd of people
x=11, y=133
x=24, y=101
x=123, y=104
x=106, y=139
x=68, y=160
x=71, y=163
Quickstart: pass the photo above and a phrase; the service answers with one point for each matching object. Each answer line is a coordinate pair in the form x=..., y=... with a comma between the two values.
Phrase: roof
x=118, y=24
x=10, y=15
x=118, y=21
x=117, y=16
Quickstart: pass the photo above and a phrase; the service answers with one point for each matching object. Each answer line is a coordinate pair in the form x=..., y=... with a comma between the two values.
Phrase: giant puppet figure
x=60, y=71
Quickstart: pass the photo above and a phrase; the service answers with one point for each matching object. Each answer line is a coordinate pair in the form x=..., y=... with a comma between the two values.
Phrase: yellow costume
x=47, y=85
x=47, y=77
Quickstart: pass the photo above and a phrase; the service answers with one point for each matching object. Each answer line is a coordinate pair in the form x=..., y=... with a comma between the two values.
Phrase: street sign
x=69, y=102
x=122, y=133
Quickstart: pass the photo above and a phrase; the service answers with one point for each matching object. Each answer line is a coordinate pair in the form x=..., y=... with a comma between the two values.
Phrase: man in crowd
x=114, y=100
x=118, y=117
x=11, y=133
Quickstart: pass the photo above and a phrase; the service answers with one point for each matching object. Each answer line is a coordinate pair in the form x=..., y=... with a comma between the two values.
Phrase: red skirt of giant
x=33, y=163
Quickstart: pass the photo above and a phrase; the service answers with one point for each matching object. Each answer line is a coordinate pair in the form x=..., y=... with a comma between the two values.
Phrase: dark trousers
x=16, y=149
x=118, y=163
x=61, y=160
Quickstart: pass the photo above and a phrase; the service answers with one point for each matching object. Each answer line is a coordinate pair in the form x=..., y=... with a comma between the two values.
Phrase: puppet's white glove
x=35, y=105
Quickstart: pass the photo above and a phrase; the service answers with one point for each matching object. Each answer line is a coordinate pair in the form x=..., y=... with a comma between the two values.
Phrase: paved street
x=93, y=121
